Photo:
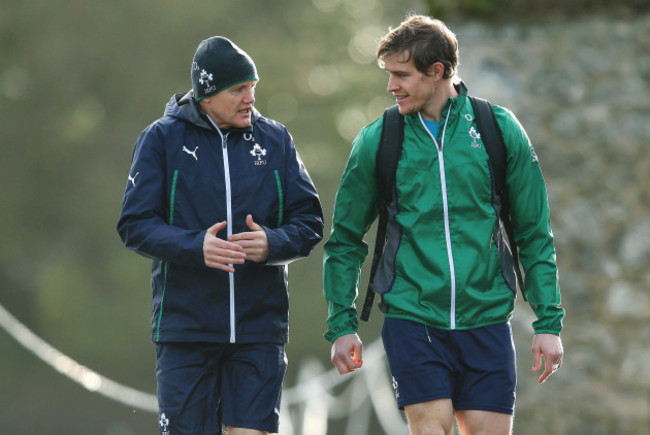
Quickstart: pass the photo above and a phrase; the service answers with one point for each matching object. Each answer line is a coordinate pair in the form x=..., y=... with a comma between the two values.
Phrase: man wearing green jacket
x=447, y=289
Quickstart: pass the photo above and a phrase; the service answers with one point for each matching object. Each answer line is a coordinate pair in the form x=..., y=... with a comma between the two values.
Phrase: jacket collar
x=455, y=104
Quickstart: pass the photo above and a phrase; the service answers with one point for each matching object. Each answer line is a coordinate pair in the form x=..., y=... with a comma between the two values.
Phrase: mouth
x=400, y=98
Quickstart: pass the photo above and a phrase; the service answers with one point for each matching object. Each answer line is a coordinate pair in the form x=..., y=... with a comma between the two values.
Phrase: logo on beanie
x=205, y=78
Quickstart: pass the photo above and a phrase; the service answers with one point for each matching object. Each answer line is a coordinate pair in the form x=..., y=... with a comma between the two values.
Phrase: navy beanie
x=219, y=64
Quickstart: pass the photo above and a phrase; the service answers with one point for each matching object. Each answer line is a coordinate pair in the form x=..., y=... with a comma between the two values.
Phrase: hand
x=218, y=253
x=255, y=244
x=347, y=353
x=549, y=346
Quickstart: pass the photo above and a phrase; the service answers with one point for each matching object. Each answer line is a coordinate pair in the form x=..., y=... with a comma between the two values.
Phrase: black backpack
x=390, y=148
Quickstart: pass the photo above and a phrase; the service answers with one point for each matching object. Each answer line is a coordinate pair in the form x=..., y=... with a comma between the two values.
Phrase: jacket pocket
x=172, y=198
x=261, y=194
x=278, y=183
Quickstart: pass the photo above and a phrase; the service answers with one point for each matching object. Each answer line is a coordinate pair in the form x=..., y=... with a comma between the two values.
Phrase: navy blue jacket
x=187, y=175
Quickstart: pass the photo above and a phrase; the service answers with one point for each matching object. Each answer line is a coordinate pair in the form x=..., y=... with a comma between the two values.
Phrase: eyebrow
x=397, y=71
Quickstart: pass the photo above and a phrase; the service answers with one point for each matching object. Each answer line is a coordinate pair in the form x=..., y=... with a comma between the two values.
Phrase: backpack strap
x=388, y=153
x=493, y=140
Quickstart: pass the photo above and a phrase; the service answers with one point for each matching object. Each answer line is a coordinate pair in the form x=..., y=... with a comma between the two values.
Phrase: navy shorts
x=474, y=368
x=204, y=385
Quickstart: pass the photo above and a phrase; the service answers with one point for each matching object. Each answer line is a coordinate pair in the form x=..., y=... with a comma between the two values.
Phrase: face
x=231, y=107
x=413, y=90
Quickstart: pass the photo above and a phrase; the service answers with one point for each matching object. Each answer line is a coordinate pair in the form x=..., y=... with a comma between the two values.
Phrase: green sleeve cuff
x=342, y=320
x=550, y=321
x=332, y=336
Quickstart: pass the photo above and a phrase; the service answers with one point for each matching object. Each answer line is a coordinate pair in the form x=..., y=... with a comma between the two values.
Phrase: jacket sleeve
x=146, y=220
x=531, y=221
x=345, y=251
x=302, y=226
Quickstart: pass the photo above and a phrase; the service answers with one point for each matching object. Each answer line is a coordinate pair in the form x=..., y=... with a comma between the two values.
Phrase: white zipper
x=445, y=207
x=231, y=276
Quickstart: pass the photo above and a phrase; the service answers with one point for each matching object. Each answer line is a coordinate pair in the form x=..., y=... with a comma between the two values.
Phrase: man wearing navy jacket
x=218, y=198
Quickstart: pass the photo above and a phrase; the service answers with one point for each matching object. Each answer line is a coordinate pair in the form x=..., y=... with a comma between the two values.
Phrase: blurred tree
x=528, y=10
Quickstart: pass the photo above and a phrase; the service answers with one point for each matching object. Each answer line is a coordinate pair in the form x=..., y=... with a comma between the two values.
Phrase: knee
x=430, y=418
x=430, y=429
x=426, y=425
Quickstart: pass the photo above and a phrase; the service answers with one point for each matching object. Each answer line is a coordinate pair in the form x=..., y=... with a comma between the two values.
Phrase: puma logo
x=192, y=153
x=132, y=179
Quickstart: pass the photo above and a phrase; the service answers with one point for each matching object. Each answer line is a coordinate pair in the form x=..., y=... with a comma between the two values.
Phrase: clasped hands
x=221, y=254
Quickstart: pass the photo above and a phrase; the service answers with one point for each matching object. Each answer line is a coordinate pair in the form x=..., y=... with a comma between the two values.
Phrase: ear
x=437, y=70
x=203, y=104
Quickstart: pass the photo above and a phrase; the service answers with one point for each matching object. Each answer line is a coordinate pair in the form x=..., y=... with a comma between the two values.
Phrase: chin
x=406, y=110
x=243, y=123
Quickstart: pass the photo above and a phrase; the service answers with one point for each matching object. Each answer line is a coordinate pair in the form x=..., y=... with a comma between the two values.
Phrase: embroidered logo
x=205, y=78
x=132, y=179
x=474, y=135
x=192, y=153
x=258, y=152
x=395, y=387
x=164, y=423
x=533, y=155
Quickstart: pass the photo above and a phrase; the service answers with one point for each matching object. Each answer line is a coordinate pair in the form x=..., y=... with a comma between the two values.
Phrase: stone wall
x=582, y=91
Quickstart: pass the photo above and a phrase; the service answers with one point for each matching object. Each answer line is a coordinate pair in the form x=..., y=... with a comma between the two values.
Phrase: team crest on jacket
x=258, y=152
x=474, y=135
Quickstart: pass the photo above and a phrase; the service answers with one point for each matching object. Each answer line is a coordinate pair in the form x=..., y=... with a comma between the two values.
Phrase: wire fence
x=308, y=408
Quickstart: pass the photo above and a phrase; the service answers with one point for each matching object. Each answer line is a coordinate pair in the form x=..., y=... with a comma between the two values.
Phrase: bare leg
x=435, y=417
x=241, y=431
x=484, y=423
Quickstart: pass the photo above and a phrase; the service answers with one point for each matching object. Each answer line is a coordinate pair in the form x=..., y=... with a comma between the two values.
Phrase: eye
x=243, y=88
x=237, y=90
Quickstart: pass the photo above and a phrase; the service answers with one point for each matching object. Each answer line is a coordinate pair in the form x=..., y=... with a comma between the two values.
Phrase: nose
x=249, y=97
x=392, y=86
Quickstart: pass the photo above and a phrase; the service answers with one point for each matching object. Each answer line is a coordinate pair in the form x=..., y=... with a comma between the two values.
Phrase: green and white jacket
x=442, y=264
